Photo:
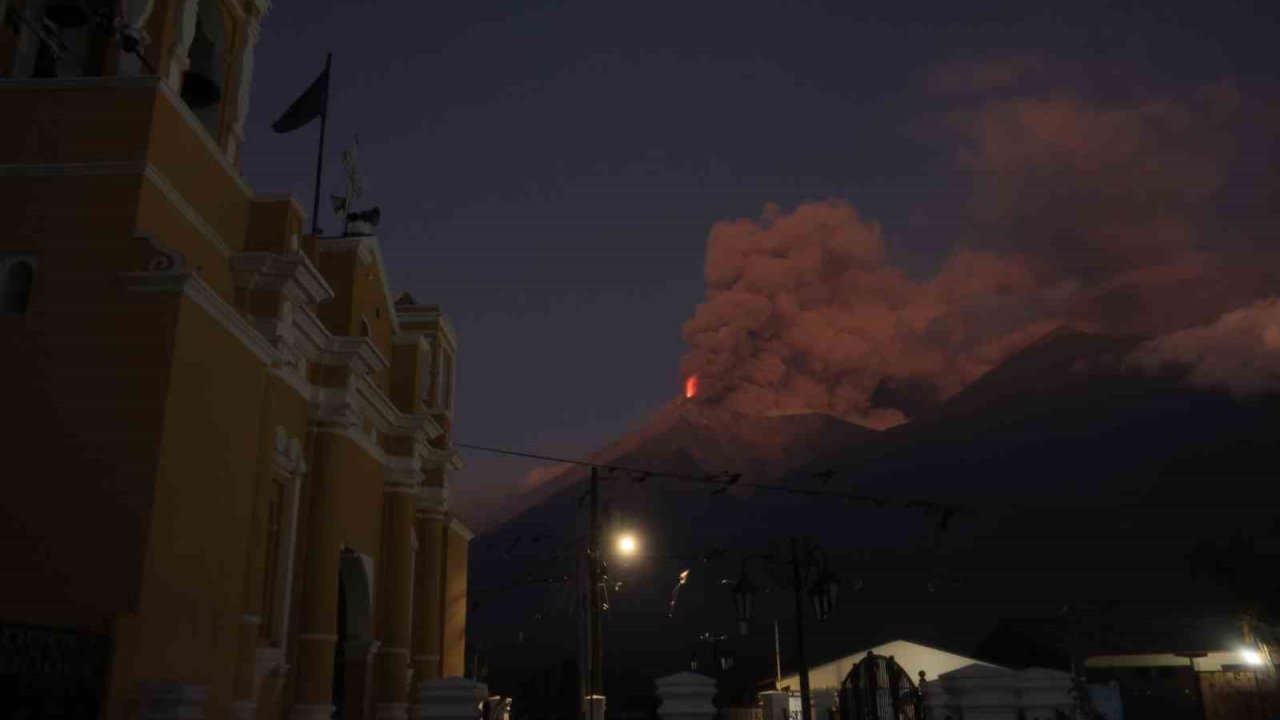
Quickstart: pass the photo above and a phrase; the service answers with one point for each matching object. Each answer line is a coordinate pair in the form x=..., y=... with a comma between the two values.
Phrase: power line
x=724, y=481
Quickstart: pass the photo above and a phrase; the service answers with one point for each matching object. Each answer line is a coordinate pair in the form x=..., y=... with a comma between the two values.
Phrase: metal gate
x=877, y=688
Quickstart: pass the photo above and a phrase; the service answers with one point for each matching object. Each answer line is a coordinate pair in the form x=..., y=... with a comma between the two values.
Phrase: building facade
x=227, y=446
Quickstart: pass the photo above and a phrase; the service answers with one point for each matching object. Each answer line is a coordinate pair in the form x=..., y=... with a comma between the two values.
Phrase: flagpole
x=324, y=116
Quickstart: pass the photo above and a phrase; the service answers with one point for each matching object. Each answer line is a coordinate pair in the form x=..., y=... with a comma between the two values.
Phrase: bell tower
x=202, y=50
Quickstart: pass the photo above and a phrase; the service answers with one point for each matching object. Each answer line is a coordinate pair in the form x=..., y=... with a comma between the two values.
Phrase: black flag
x=311, y=104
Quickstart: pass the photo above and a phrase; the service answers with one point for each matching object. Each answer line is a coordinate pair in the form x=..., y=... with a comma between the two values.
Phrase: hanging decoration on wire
x=675, y=592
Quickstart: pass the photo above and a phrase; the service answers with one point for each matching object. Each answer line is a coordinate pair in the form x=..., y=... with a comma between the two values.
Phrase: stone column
x=169, y=701
x=428, y=595
x=316, y=638
x=686, y=696
x=394, y=597
x=449, y=699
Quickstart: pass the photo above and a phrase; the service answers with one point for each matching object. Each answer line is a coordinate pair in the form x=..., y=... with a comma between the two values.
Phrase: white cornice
x=456, y=526
x=412, y=337
x=359, y=353
x=180, y=204
x=432, y=500
x=380, y=409
x=294, y=274
x=198, y=290
x=428, y=314
x=401, y=472
x=294, y=380
x=397, y=470
x=313, y=333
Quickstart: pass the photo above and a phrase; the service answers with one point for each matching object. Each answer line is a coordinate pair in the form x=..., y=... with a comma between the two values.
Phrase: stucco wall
x=87, y=369
x=194, y=579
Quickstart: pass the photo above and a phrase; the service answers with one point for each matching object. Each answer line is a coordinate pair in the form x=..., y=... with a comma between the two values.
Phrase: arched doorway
x=355, y=637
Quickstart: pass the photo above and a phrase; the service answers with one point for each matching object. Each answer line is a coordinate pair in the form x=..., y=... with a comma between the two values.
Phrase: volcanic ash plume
x=803, y=314
x=1094, y=215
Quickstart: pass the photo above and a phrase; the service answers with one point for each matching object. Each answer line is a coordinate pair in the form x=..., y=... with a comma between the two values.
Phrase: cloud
x=1088, y=212
x=1239, y=352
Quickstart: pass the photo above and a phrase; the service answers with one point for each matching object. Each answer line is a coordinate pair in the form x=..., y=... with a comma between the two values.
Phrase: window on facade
x=270, y=578
x=17, y=275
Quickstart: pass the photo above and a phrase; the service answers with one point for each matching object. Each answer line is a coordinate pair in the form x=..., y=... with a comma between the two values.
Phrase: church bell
x=198, y=91
x=67, y=14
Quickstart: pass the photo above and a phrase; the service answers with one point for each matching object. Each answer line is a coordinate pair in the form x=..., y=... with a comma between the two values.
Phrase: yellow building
x=225, y=446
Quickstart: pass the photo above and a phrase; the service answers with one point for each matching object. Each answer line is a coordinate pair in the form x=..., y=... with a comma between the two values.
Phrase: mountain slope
x=1085, y=482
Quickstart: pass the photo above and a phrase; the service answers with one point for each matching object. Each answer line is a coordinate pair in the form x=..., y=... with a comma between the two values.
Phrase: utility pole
x=806, y=712
x=777, y=655
x=594, y=674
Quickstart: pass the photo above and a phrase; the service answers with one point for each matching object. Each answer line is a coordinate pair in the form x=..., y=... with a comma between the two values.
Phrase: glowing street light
x=627, y=544
x=1252, y=657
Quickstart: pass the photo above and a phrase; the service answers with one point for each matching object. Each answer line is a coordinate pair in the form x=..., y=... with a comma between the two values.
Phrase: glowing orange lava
x=691, y=386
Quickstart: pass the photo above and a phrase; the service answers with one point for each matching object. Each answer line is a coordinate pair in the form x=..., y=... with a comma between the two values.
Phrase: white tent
x=911, y=656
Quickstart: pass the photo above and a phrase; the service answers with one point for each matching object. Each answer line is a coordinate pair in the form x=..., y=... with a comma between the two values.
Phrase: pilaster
x=428, y=578
x=395, y=597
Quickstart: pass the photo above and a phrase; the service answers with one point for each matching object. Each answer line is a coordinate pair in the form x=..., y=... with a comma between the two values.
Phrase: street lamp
x=1251, y=657
x=627, y=544
x=805, y=558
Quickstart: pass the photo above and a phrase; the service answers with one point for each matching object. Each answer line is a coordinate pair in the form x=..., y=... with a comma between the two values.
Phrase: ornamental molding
x=432, y=501
x=334, y=409
x=358, y=353
x=288, y=453
x=429, y=315
x=456, y=526
x=400, y=472
x=179, y=203
x=412, y=337
x=292, y=274
x=191, y=286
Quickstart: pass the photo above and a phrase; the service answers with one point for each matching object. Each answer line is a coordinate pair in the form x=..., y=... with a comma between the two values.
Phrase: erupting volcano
x=691, y=387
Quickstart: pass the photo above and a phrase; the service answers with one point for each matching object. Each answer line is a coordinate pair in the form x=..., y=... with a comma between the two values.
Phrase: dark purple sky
x=548, y=171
